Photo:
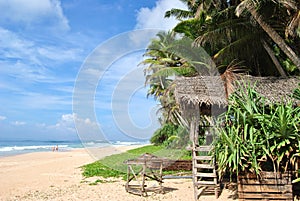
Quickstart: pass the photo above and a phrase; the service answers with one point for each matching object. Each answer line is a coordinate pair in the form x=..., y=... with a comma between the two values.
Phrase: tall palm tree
x=161, y=64
x=226, y=37
x=196, y=7
x=169, y=55
x=252, y=7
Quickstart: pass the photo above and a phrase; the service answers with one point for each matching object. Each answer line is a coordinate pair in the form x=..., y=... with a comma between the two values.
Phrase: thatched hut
x=207, y=94
x=201, y=95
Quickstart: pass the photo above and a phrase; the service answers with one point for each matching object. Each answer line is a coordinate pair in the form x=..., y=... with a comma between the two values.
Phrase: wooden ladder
x=204, y=172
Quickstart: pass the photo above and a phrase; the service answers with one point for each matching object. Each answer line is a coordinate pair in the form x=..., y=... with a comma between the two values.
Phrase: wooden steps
x=203, y=148
x=204, y=170
x=208, y=175
x=205, y=183
x=204, y=173
x=204, y=166
x=203, y=158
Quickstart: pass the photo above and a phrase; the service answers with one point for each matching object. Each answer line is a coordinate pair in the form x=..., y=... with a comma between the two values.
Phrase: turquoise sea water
x=15, y=147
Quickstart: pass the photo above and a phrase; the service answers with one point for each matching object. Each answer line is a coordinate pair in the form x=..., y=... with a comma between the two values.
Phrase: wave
x=91, y=144
x=31, y=147
x=130, y=143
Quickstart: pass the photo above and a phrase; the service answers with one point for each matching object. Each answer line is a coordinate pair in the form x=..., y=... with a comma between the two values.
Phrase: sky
x=69, y=68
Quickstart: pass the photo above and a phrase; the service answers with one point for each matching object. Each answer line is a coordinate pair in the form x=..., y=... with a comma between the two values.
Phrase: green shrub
x=170, y=135
x=256, y=135
x=163, y=134
x=296, y=93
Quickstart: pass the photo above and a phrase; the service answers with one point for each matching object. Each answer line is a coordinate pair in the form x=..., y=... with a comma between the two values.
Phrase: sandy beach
x=57, y=176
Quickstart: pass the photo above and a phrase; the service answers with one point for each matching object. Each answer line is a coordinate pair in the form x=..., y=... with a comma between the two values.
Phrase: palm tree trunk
x=274, y=59
x=275, y=36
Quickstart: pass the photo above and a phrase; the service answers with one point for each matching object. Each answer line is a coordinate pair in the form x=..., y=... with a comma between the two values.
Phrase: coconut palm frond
x=243, y=7
x=178, y=13
x=293, y=28
x=233, y=70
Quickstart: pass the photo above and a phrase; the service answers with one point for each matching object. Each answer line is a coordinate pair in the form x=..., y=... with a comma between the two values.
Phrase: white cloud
x=34, y=12
x=32, y=100
x=14, y=46
x=71, y=124
x=67, y=122
x=68, y=118
x=31, y=61
x=23, y=101
x=2, y=118
x=40, y=125
x=154, y=17
x=18, y=123
x=61, y=55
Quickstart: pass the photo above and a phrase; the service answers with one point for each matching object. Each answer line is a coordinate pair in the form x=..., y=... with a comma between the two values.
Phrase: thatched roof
x=273, y=88
x=207, y=90
x=210, y=90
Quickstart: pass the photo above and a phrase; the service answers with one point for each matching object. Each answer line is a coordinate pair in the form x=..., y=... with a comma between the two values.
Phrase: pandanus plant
x=256, y=135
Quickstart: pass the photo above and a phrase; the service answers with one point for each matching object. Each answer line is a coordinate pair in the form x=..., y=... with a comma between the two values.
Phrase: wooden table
x=138, y=170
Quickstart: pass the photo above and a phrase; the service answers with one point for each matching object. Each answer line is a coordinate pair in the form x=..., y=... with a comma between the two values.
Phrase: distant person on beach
x=55, y=148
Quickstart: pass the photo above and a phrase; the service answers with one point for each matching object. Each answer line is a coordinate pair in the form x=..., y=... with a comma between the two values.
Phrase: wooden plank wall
x=270, y=186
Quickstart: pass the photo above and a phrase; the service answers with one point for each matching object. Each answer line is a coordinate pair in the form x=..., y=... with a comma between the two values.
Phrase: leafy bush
x=162, y=134
x=296, y=93
x=255, y=135
x=170, y=135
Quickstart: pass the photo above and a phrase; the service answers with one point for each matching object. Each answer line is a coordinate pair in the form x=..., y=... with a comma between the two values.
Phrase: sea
x=16, y=147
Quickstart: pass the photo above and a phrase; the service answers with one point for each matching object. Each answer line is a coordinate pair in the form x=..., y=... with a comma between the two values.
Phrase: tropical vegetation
x=170, y=135
x=260, y=37
x=296, y=93
x=259, y=33
x=114, y=167
x=256, y=135
x=168, y=56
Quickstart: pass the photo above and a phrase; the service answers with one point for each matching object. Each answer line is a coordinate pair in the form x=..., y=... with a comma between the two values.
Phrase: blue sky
x=46, y=46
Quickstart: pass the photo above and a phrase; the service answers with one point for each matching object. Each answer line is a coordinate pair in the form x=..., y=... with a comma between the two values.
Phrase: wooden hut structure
x=202, y=92
x=207, y=96
x=198, y=95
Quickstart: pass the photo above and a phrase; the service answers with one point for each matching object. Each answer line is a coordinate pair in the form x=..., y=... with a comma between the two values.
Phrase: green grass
x=113, y=166
x=96, y=182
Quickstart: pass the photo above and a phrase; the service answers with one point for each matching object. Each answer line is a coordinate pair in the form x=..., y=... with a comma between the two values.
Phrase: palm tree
x=226, y=37
x=196, y=7
x=161, y=64
x=293, y=10
x=251, y=6
x=169, y=55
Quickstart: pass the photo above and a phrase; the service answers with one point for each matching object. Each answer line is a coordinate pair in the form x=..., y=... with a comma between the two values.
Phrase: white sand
x=57, y=176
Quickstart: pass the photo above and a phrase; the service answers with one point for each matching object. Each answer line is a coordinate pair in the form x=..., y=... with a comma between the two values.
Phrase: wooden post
x=143, y=180
x=160, y=178
x=192, y=129
x=128, y=178
x=194, y=132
